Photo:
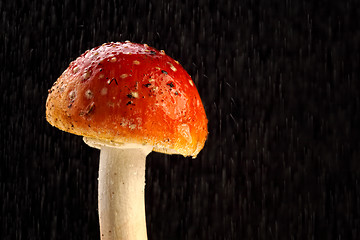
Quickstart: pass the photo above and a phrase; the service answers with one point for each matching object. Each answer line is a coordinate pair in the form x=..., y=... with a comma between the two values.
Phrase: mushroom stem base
x=121, y=193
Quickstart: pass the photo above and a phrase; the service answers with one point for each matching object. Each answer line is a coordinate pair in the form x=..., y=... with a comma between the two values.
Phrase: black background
x=280, y=85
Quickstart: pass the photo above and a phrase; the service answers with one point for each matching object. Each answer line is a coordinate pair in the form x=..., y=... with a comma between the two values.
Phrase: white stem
x=121, y=193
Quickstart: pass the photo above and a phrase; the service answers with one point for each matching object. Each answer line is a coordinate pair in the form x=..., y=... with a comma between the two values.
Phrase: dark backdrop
x=280, y=84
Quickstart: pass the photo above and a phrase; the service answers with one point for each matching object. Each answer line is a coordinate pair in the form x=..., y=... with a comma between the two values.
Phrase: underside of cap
x=122, y=93
x=96, y=143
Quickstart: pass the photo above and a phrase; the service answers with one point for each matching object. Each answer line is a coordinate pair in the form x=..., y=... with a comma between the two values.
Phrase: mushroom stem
x=121, y=193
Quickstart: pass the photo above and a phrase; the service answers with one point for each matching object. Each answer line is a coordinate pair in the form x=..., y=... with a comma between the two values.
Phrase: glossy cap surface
x=129, y=93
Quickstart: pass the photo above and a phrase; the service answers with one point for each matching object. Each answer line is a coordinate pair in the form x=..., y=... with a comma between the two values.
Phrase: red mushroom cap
x=129, y=93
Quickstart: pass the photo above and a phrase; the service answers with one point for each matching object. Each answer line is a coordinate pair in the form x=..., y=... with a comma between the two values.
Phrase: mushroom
x=127, y=99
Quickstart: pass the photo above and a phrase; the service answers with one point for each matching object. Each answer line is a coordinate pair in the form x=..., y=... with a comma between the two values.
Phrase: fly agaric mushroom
x=127, y=100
